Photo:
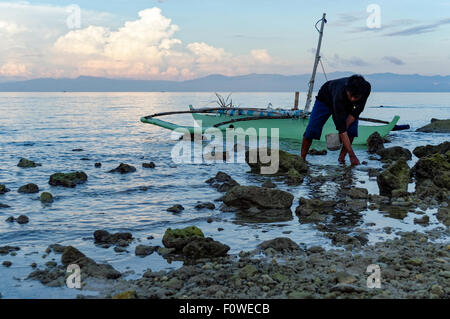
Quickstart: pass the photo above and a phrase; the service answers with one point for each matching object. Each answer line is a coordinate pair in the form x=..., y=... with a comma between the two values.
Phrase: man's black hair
x=357, y=85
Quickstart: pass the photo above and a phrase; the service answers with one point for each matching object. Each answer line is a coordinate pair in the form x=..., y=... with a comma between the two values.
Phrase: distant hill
x=385, y=82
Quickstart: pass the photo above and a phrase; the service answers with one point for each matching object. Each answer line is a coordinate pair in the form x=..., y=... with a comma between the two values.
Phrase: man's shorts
x=317, y=119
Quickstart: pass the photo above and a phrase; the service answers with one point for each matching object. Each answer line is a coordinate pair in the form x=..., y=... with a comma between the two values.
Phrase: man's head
x=356, y=88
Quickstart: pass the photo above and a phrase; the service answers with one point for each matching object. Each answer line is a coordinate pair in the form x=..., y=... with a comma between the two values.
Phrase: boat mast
x=316, y=63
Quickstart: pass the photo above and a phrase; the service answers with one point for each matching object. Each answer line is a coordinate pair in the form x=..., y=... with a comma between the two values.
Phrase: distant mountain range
x=384, y=82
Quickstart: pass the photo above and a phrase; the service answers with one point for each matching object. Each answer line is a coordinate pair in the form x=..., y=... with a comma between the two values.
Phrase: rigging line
x=323, y=69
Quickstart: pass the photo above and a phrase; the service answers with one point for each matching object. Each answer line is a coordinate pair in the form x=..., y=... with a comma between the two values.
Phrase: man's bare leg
x=306, y=144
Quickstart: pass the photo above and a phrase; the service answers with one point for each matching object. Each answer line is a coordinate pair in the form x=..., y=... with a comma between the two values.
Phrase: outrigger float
x=291, y=124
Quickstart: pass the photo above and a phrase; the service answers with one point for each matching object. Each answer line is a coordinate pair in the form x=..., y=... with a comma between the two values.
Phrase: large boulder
x=395, y=177
x=68, y=179
x=314, y=210
x=432, y=173
x=375, y=143
x=89, y=267
x=260, y=197
x=178, y=238
x=222, y=182
x=436, y=126
x=204, y=248
x=422, y=151
x=287, y=161
x=394, y=153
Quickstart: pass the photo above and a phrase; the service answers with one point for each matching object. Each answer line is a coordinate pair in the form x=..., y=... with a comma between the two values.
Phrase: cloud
x=420, y=29
x=40, y=44
x=261, y=56
x=336, y=61
x=393, y=60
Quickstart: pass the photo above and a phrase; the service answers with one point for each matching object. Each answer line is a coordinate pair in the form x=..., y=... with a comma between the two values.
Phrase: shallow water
x=46, y=127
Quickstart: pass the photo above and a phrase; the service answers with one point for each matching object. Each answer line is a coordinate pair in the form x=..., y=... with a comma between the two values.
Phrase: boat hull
x=290, y=128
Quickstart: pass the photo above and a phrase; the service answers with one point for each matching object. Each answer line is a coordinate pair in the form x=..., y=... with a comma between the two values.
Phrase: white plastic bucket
x=333, y=141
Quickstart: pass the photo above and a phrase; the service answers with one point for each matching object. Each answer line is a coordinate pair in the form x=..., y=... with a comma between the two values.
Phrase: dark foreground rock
x=178, y=238
x=436, y=126
x=395, y=177
x=55, y=275
x=260, y=197
x=280, y=244
x=259, y=204
x=222, y=182
x=290, y=165
x=422, y=151
x=375, y=143
x=394, y=153
x=204, y=248
x=432, y=174
x=123, y=169
x=68, y=179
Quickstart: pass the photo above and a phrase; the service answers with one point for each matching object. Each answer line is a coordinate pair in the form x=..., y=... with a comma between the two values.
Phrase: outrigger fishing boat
x=291, y=123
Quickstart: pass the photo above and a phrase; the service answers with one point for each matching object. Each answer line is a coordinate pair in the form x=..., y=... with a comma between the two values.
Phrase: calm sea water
x=46, y=127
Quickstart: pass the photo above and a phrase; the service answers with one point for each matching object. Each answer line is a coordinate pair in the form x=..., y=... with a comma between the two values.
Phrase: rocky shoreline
x=414, y=265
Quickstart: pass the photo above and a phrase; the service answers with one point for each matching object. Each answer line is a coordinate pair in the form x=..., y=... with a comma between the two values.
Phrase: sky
x=185, y=39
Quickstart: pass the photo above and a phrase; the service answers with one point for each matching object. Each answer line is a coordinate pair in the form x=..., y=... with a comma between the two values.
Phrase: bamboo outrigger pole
x=316, y=63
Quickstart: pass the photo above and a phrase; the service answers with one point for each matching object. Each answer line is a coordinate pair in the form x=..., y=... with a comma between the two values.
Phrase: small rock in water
x=46, y=198
x=313, y=151
x=7, y=263
x=142, y=250
x=22, y=219
x=10, y=219
x=207, y=205
x=425, y=220
x=102, y=237
x=222, y=182
x=4, y=250
x=175, y=209
x=68, y=179
x=98, y=165
x=269, y=184
x=436, y=126
x=148, y=165
x=26, y=163
x=29, y=188
x=123, y=169
x=3, y=189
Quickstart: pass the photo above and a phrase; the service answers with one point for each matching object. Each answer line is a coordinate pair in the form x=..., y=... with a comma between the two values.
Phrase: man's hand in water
x=347, y=146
